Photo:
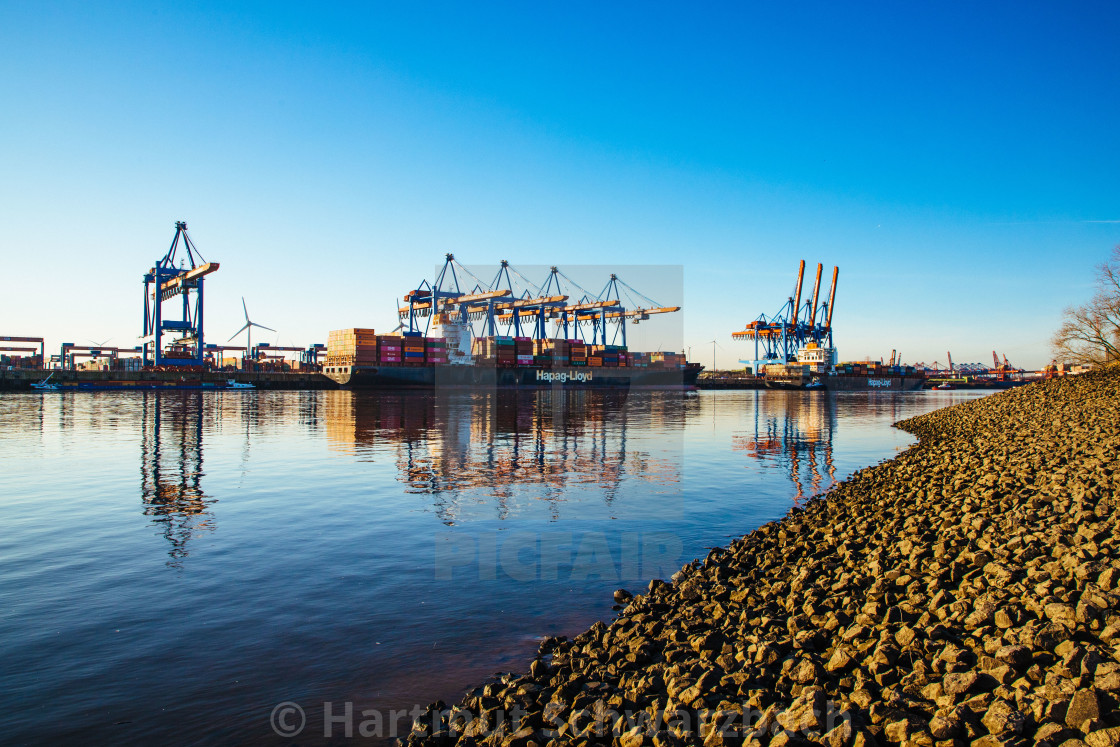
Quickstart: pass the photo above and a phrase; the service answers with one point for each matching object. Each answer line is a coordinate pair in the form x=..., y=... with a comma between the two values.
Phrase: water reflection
x=506, y=444
x=794, y=430
x=171, y=468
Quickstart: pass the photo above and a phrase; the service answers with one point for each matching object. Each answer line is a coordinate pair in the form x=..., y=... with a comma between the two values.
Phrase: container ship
x=816, y=369
x=453, y=358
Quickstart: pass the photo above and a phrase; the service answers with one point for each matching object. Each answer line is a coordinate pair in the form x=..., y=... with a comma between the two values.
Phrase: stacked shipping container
x=361, y=347
x=352, y=347
x=577, y=353
x=389, y=349
x=435, y=350
x=524, y=348
x=413, y=346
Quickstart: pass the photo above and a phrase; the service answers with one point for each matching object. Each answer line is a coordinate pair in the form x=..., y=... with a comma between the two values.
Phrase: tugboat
x=45, y=385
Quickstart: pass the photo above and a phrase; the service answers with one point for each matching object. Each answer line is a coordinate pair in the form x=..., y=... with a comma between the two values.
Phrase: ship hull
x=519, y=377
x=872, y=383
x=163, y=386
x=786, y=384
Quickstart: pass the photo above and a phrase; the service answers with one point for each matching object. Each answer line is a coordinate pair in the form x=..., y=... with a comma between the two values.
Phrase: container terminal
x=436, y=343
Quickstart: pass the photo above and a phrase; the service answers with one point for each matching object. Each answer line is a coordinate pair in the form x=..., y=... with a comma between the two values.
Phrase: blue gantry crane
x=164, y=282
x=501, y=308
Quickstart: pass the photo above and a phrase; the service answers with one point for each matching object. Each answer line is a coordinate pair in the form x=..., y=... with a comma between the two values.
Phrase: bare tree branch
x=1090, y=334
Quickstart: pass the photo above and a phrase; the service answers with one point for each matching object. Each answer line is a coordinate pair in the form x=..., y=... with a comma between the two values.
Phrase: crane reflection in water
x=171, y=468
x=794, y=430
x=465, y=448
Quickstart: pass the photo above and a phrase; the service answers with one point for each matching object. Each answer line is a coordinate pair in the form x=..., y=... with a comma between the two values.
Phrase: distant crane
x=249, y=324
x=1002, y=370
x=950, y=363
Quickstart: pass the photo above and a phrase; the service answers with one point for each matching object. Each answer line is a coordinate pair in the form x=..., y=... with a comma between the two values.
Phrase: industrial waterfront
x=179, y=563
x=459, y=330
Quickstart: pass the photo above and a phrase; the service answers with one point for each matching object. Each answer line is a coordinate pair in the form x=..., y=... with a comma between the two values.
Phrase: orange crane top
x=832, y=296
x=816, y=290
x=797, y=302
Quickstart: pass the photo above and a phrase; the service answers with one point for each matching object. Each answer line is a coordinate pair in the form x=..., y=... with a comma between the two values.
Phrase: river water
x=173, y=566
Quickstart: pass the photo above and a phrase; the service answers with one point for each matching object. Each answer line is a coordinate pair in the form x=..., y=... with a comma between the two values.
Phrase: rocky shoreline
x=965, y=592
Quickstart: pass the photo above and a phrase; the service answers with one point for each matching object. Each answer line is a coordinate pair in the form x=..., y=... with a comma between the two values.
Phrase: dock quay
x=22, y=379
x=729, y=380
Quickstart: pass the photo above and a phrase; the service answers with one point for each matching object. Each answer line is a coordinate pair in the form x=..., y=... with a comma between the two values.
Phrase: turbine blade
x=270, y=329
x=245, y=308
x=235, y=334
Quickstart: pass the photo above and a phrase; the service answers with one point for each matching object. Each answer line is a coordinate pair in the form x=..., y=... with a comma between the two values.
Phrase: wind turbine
x=98, y=346
x=249, y=324
x=714, y=344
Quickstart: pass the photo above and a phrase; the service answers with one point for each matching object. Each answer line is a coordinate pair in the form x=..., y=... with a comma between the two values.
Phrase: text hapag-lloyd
x=564, y=377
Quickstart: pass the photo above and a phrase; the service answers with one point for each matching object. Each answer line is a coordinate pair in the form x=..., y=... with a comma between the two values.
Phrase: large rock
x=1082, y=707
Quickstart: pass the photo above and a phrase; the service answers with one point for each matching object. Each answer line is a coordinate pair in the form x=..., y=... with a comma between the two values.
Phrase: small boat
x=943, y=387
x=232, y=384
x=815, y=384
x=45, y=385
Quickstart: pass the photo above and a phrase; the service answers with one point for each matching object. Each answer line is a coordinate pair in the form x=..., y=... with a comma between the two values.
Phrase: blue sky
x=957, y=161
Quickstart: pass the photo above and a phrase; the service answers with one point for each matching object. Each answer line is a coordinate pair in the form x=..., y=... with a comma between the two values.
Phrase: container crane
x=1003, y=370
x=782, y=335
x=163, y=282
x=498, y=304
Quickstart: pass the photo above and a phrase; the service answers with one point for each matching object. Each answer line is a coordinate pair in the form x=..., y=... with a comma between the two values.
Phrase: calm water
x=174, y=565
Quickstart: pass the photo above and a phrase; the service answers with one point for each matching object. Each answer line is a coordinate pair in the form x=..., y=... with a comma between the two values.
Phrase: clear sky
x=958, y=161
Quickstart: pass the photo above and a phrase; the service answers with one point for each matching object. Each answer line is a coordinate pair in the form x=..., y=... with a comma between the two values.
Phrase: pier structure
x=69, y=354
x=7, y=347
x=310, y=356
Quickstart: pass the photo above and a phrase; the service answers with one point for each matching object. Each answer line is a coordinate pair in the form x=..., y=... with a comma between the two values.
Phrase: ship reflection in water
x=794, y=431
x=171, y=468
x=498, y=447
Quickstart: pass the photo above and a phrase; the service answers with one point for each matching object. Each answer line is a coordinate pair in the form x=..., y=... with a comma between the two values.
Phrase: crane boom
x=797, y=303
x=832, y=296
x=477, y=297
x=816, y=291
